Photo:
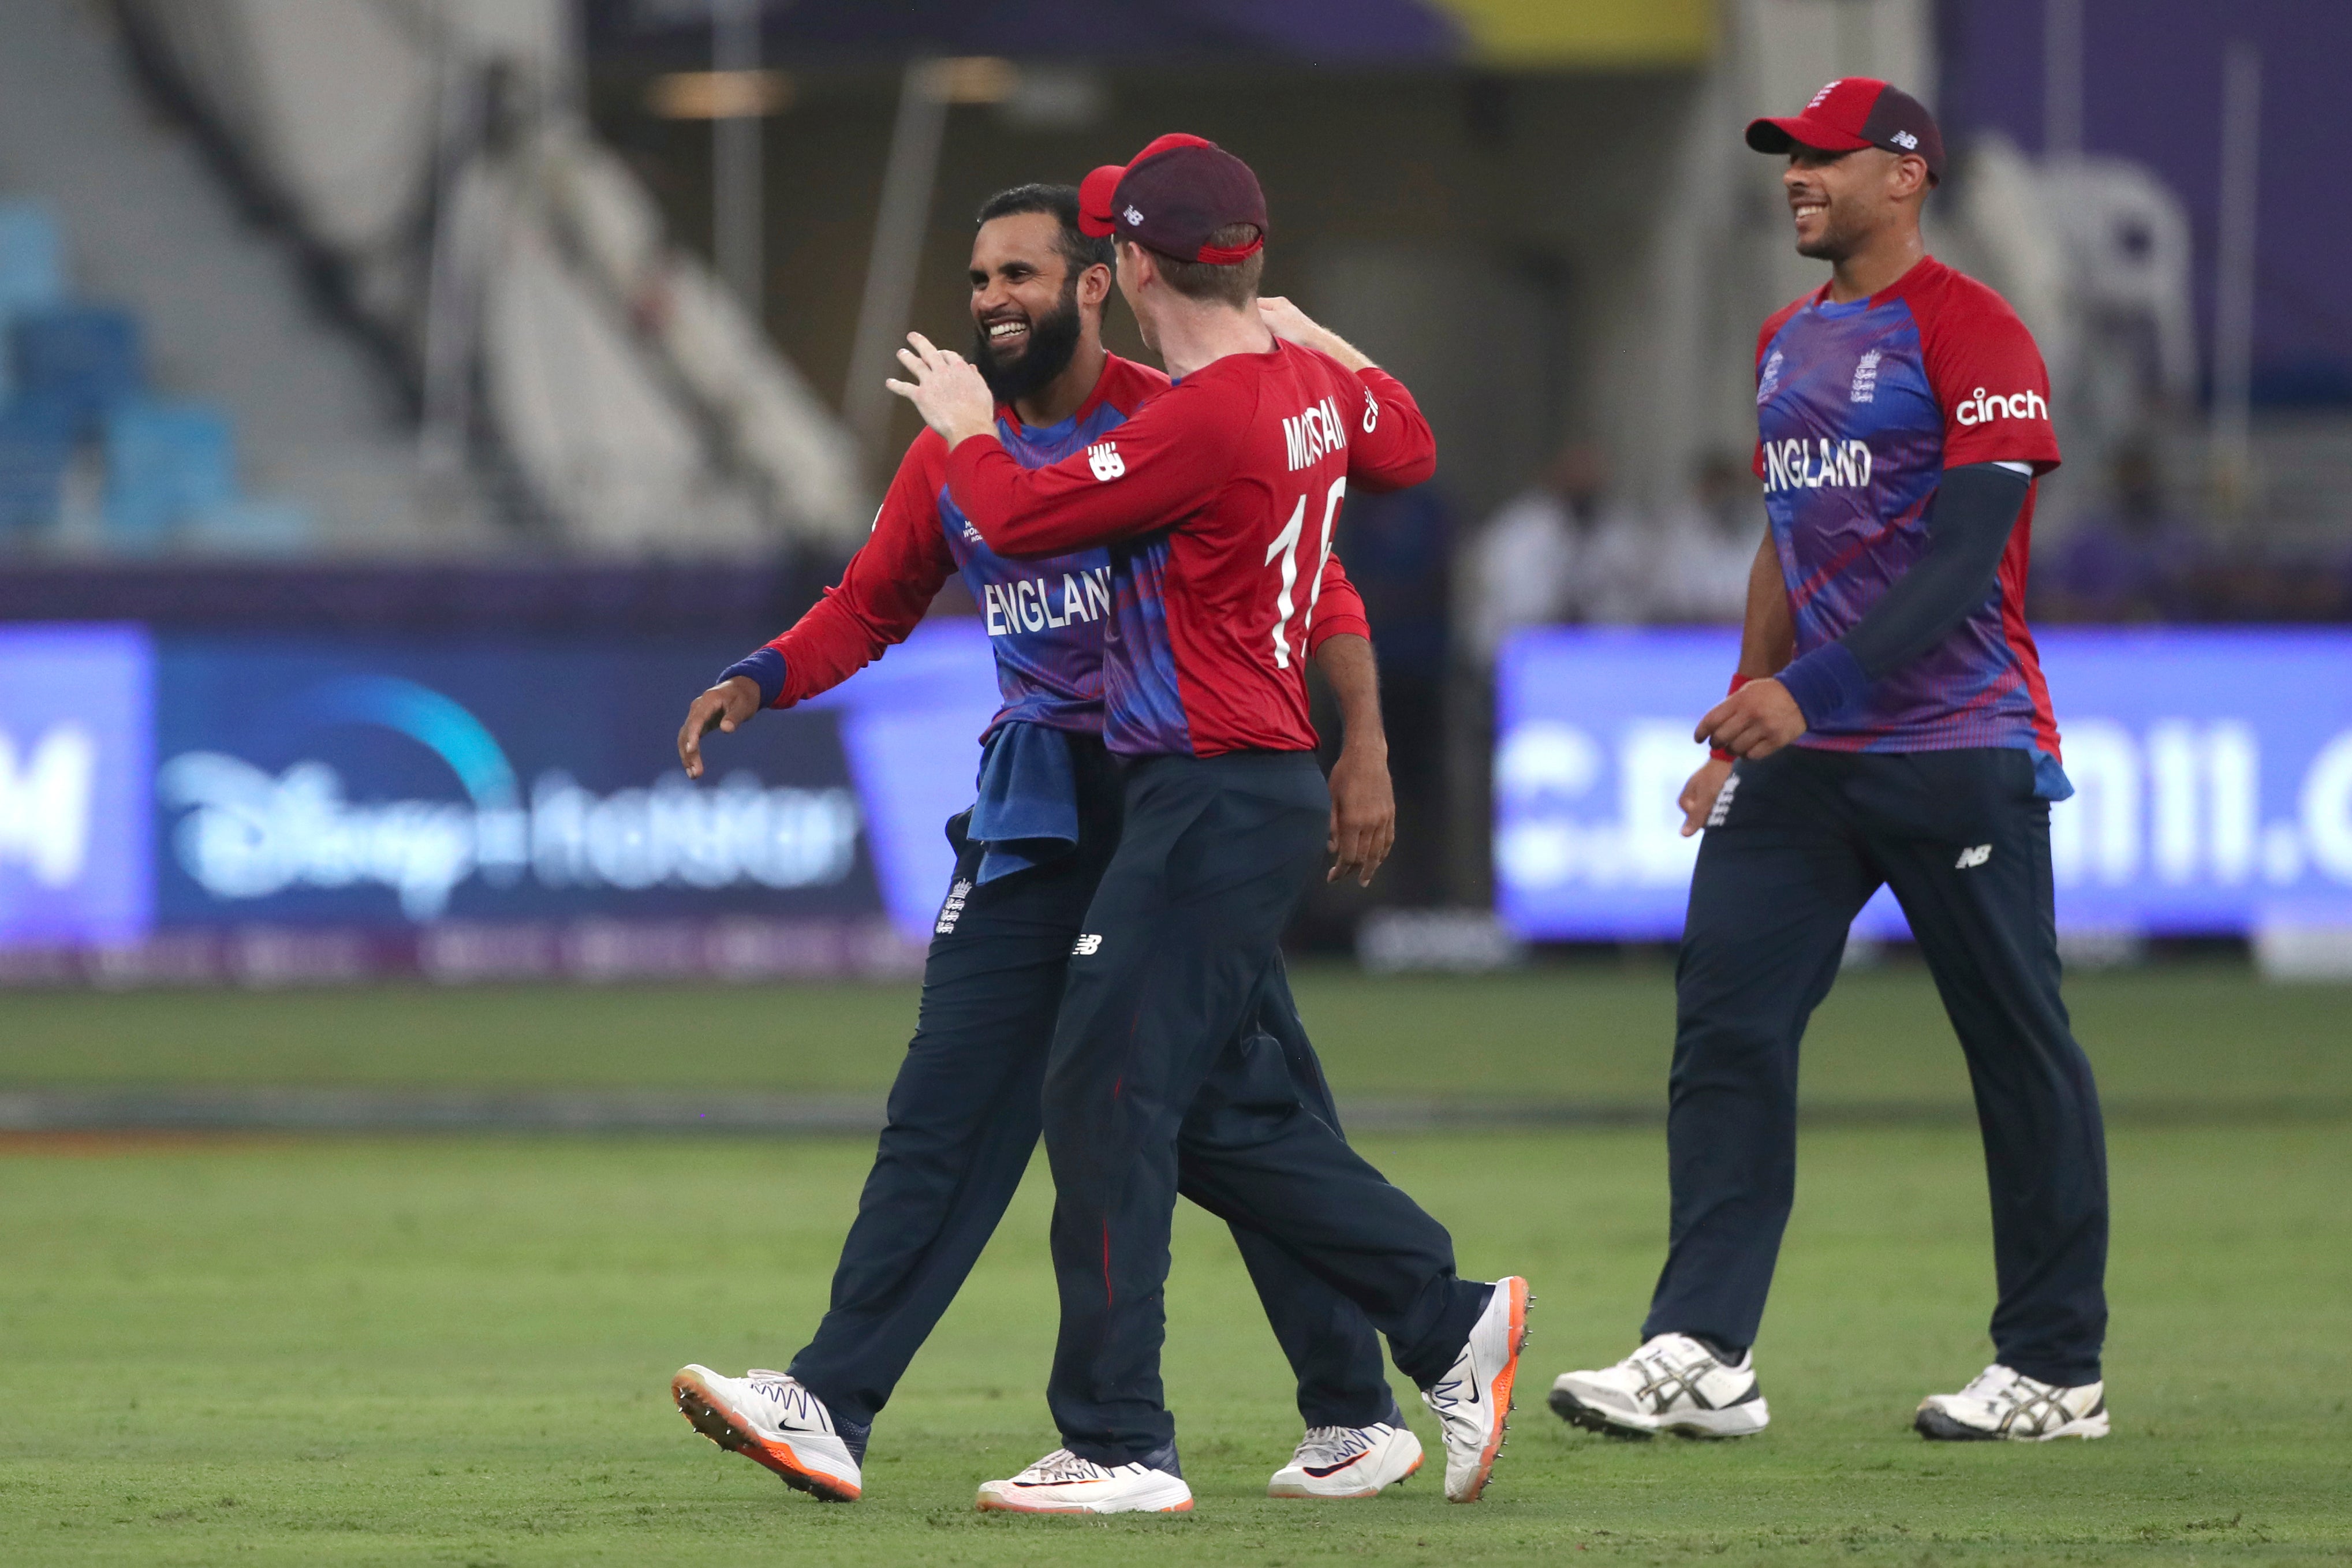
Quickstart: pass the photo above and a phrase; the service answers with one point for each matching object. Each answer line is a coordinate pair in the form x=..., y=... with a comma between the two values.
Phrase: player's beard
x=1053, y=344
x=1833, y=244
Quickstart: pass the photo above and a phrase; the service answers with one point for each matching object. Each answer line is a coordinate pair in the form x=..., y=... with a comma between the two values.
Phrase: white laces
x=1061, y=1465
x=1332, y=1444
x=1994, y=1382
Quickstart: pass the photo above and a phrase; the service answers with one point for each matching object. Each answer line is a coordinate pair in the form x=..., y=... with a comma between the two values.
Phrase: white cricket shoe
x=1673, y=1383
x=1061, y=1482
x=769, y=1417
x=2004, y=1402
x=1348, y=1462
x=1473, y=1400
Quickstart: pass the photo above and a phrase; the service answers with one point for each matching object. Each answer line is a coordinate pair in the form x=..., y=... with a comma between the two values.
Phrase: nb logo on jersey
x=1769, y=383
x=1086, y=946
x=1971, y=858
x=1371, y=412
x=1797, y=464
x=1979, y=410
x=1104, y=459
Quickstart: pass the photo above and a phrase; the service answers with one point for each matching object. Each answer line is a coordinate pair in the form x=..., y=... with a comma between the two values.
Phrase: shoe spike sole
x=713, y=1422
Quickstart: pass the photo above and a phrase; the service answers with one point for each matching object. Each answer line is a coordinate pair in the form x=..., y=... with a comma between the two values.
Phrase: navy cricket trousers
x=1797, y=844
x=963, y=1120
x=1160, y=1083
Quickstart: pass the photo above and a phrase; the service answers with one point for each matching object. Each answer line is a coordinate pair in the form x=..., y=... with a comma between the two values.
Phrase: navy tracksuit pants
x=1797, y=844
x=964, y=1116
x=1159, y=1083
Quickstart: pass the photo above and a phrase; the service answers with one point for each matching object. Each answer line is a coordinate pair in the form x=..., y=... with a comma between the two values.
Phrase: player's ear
x=1910, y=176
x=1094, y=285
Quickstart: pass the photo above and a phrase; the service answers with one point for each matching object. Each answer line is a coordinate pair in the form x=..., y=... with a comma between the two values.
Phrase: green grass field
x=455, y=1350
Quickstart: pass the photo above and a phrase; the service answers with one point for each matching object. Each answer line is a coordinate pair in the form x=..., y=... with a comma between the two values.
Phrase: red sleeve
x=1390, y=447
x=1163, y=464
x=883, y=591
x=1338, y=608
x=1989, y=380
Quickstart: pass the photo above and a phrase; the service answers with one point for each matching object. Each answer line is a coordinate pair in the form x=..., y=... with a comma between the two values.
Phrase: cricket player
x=964, y=1112
x=1216, y=501
x=1888, y=725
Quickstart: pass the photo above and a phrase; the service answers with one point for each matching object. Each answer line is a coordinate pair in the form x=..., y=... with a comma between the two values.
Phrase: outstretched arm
x=1390, y=446
x=881, y=597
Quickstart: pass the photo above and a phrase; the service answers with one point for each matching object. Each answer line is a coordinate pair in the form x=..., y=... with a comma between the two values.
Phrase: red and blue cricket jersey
x=1860, y=407
x=1047, y=617
x=1217, y=500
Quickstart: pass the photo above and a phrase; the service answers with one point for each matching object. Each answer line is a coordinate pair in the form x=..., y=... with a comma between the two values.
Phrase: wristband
x=1716, y=754
x=764, y=670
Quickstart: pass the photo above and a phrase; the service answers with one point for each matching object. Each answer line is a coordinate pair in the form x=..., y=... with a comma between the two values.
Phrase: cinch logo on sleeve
x=1104, y=459
x=1040, y=604
x=1799, y=464
x=1318, y=429
x=1979, y=409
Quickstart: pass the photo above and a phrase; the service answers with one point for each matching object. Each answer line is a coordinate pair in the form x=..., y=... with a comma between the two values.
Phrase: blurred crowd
x=2143, y=556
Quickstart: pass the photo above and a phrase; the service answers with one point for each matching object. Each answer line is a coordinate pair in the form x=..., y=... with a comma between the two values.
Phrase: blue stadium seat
x=88, y=358
x=32, y=271
x=35, y=443
x=166, y=462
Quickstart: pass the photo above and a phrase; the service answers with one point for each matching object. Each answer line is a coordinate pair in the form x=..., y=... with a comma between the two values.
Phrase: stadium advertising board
x=74, y=767
x=251, y=808
x=2212, y=771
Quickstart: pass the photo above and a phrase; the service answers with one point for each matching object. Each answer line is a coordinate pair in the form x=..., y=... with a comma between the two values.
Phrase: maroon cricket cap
x=1172, y=196
x=1853, y=112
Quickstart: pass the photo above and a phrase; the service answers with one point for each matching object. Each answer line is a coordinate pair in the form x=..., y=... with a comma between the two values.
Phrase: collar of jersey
x=1044, y=435
x=1918, y=272
x=1269, y=353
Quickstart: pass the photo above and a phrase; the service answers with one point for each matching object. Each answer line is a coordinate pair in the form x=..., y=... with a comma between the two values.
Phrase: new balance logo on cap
x=1086, y=946
x=1905, y=140
x=1132, y=215
x=1971, y=858
x=1105, y=460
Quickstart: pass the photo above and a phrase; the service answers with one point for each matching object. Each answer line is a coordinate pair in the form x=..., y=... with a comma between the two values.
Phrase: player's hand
x=725, y=706
x=1363, y=814
x=946, y=390
x=1755, y=720
x=1698, y=796
x=1288, y=322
